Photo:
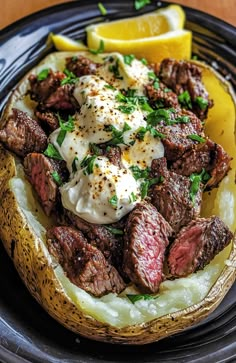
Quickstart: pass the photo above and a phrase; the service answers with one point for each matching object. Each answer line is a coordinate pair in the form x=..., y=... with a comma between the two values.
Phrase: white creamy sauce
x=98, y=191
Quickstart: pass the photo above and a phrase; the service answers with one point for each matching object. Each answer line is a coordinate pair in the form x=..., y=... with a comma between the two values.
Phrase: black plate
x=27, y=333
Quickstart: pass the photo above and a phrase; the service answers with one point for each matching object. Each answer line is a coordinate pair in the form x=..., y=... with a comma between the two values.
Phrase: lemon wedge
x=64, y=43
x=153, y=36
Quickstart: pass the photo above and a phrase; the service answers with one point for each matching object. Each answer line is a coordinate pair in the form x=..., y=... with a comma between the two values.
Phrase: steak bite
x=45, y=174
x=209, y=156
x=83, y=263
x=161, y=96
x=40, y=90
x=22, y=134
x=81, y=66
x=183, y=76
x=197, y=244
x=172, y=196
x=110, y=244
x=146, y=238
x=179, y=132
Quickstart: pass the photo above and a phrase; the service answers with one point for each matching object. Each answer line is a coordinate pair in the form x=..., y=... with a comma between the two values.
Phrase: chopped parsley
x=74, y=164
x=128, y=59
x=117, y=135
x=155, y=117
x=56, y=177
x=88, y=164
x=144, y=61
x=52, y=152
x=148, y=183
x=136, y=297
x=113, y=200
x=43, y=74
x=132, y=197
x=114, y=68
x=195, y=137
x=102, y=9
x=185, y=99
x=65, y=126
x=115, y=230
x=196, y=180
x=99, y=50
x=70, y=77
x=152, y=76
x=201, y=102
x=127, y=109
x=142, y=131
x=156, y=84
x=140, y=173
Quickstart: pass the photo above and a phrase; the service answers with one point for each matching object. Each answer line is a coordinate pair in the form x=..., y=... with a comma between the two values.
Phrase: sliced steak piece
x=40, y=170
x=22, y=134
x=41, y=90
x=172, y=196
x=62, y=99
x=197, y=244
x=81, y=66
x=178, y=136
x=113, y=153
x=183, y=76
x=110, y=244
x=83, y=263
x=146, y=239
x=161, y=96
x=47, y=119
x=209, y=156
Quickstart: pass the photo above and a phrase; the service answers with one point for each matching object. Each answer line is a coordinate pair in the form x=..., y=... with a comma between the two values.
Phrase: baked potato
x=180, y=303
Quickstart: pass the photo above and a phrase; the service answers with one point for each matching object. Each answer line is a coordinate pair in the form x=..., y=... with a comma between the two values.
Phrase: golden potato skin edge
x=35, y=268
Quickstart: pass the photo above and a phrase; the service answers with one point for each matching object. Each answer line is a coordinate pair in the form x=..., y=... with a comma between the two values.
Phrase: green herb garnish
x=99, y=50
x=88, y=164
x=201, y=102
x=132, y=197
x=114, y=230
x=142, y=131
x=144, y=61
x=114, y=68
x=195, y=137
x=43, y=74
x=113, y=200
x=140, y=173
x=102, y=9
x=128, y=59
x=65, y=126
x=196, y=180
x=70, y=77
x=148, y=183
x=74, y=164
x=52, y=152
x=126, y=109
x=136, y=297
x=117, y=135
x=185, y=99
x=56, y=177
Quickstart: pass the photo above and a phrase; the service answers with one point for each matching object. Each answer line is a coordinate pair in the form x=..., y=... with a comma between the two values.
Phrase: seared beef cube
x=172, y=196
x=48, y=119
x=113, y=153
x=40, y=171
x=22, y=134
x=81, y=65
x=41, y=90
x=62, y=99
x=110, y=244
x=183, y=76
x=178, y=136
x=146, y=239
x=209, y=156
x=83, y=263
x=197, y=244
x=161, y=96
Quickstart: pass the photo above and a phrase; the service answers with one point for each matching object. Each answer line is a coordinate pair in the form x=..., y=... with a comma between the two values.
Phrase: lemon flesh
x=64, y=43
x=153, y=36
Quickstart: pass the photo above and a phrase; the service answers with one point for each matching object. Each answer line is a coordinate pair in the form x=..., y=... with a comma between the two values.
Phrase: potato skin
x=35, y=267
